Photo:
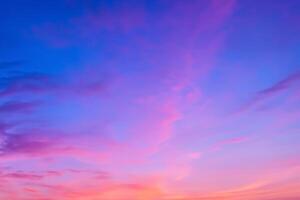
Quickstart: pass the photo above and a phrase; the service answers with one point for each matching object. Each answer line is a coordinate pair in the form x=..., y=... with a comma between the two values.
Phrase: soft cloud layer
x=150, y=100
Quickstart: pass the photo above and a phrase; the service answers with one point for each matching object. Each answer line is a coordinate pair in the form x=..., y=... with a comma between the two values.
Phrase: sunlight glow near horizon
x=150, y=100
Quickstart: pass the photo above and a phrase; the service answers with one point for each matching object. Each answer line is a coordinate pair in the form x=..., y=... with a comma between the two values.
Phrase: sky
x=150, y=100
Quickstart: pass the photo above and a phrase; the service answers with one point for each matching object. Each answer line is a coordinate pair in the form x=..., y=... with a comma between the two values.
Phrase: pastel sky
x=150, y=100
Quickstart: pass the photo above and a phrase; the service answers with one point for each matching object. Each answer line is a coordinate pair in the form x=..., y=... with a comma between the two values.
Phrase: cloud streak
x=131, y=100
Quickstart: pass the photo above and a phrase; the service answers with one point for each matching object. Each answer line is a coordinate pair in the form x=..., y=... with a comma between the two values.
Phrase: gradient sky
x=150, y=100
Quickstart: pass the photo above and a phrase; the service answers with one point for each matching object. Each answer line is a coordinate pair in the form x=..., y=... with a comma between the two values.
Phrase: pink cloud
x=157, y=120
x=223, y=143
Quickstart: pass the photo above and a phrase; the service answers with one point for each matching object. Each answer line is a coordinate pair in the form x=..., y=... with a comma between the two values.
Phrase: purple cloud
x=22, y=175
x=26, y=83
x=31, y=145
x=17, y=107
x=84, y=83
x=276, y=89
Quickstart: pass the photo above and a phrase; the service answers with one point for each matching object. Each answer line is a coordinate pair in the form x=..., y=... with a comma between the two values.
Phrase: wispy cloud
x=129, y=100
x=276, y=89
x=17, y=107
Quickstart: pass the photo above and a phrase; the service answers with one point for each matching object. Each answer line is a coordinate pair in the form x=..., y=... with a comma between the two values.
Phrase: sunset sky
x=150, y=100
